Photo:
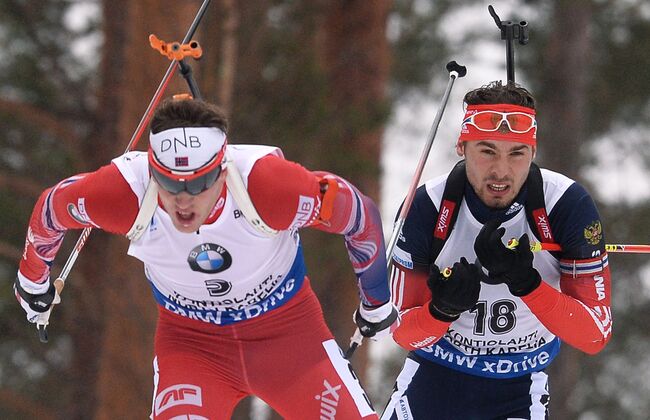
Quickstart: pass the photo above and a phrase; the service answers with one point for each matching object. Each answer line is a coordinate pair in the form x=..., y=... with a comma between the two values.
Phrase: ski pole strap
x=147, y=209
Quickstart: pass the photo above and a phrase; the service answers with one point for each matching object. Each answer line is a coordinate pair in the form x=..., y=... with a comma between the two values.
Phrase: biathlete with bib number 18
x=482, y=334
x=222, y=252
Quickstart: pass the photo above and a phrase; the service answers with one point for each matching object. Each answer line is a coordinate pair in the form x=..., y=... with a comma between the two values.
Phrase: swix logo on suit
x=329, y=400
x=541, y=219
x=442, y=226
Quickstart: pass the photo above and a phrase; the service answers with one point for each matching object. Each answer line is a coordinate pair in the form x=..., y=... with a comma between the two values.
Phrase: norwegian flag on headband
x=182, y=161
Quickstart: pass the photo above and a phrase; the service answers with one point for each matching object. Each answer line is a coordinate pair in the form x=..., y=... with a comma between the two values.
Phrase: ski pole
x=627, y=248
x=614, y=248
x=455, y=71
x=59, y=283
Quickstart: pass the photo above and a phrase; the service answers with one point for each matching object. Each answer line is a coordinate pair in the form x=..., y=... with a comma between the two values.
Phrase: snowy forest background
x=349, y=86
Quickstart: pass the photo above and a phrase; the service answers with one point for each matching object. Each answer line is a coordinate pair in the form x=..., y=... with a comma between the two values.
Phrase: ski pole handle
x=628, y=249
x=535, y=246
x=44, y=318
x=355, y=341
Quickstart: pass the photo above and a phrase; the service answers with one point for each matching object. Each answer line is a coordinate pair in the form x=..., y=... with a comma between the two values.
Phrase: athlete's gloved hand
x=512, y=267
x=375, y=322
x=34, y=298
x=456, y=293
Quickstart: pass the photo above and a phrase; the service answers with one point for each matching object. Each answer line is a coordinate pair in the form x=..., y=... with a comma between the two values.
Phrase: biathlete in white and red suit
x=237, y=315
x=480, y=343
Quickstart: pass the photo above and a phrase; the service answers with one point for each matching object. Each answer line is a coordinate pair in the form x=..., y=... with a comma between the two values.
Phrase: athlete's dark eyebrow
x=491, y=145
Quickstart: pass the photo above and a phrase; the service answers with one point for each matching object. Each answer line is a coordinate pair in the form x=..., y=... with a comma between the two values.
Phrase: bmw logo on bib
x=209, y=258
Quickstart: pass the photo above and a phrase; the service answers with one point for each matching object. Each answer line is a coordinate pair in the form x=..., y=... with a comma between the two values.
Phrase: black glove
x=37, y=303
x=455, y=294
x=375, y=322
x=513, y=267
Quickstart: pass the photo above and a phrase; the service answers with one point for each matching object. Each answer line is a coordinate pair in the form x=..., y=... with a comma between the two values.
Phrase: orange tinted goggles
x=517, y=122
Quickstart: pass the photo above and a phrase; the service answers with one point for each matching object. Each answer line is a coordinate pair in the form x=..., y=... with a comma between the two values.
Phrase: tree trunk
x=561, y=137
x=131, y=72
x=355, y=55
x=221, y=43
x=563, y=96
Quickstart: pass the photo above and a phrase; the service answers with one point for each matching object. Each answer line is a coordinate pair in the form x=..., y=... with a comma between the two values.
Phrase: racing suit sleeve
x=580, y=313
x=288, y=196
x=101, y=199
x=409, y=273
x=411, y=296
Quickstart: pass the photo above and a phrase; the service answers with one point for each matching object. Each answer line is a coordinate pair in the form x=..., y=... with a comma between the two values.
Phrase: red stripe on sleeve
x=418, y=328
x=580, y=315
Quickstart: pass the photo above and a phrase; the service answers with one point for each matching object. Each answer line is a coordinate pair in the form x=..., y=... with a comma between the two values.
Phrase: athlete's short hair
x=174, y=113
x=498, y=93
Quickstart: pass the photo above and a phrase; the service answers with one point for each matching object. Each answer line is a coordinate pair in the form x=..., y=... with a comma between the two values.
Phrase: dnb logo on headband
x=187, y=148
x=209, y=258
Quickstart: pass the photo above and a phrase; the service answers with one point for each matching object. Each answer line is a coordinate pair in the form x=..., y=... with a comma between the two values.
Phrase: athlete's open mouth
x=498, y=187
x=185, y=216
